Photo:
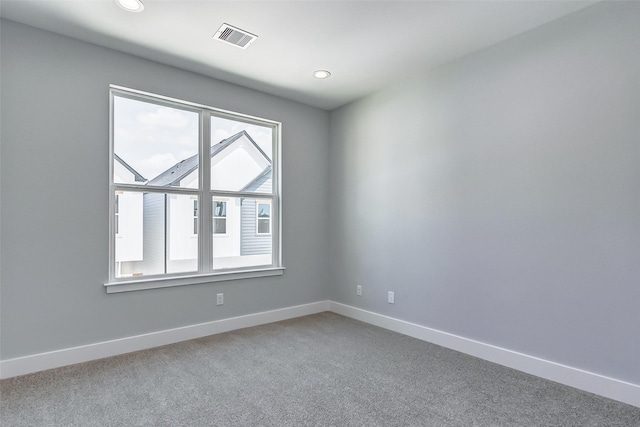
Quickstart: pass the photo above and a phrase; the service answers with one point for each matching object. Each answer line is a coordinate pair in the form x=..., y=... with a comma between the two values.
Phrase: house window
x=263, y=218
x=219, y=217
x=116, y=209
x=169, y=155
x=195, y=216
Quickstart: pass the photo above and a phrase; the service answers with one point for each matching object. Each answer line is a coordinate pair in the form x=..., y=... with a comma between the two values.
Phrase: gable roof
x=136, y=176
x=173, y=175
x=265, y=174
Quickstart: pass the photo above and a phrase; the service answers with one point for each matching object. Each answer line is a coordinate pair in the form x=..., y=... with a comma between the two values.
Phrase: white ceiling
x=365, y=44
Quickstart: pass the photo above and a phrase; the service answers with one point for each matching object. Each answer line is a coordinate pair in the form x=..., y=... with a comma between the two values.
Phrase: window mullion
x=112, y=234
x=205, y=241
x=244, y=194
x=276, y=202
x=150, y=189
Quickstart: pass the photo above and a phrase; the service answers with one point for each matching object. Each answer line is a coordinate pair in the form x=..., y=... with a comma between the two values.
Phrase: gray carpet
x=320, y=370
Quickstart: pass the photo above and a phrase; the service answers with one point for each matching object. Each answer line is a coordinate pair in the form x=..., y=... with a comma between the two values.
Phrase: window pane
x=155, y=234
x=219, y=208
x=182, y=244
x=264, y=226
x=219, y=226
x=241, y=245
x=241, y=156
x=264, y=210
x=154, y=144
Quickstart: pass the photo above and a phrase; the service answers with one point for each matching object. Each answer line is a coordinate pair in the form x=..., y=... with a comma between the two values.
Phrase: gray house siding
x=250, y=242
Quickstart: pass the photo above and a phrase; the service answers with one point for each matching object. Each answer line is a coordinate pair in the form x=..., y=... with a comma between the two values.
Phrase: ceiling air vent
x=235, y=36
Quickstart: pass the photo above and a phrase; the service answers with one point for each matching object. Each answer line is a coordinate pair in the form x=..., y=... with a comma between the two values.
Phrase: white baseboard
x=69, y=356
x=583, y=380
x=587, y=381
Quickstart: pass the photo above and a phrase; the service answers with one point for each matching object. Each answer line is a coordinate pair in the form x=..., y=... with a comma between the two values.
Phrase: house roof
x=136, y=175
x=173, y=175
x=267, y=171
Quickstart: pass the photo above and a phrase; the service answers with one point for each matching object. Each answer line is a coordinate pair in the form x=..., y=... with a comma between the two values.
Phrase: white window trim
x=205, y=272
x=150, y=282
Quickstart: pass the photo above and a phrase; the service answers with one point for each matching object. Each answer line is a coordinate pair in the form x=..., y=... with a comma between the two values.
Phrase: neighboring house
x=256, y=218
x=128, y=216
x=241, y=226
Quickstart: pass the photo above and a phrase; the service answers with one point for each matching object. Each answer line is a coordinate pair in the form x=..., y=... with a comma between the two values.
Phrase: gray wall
x=499, y=196
x=54, y=95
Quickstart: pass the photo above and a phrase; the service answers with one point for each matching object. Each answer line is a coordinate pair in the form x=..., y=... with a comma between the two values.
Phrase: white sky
x=152, y=138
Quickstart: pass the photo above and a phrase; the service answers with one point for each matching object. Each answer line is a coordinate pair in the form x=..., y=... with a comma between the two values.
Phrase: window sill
x=139, y=284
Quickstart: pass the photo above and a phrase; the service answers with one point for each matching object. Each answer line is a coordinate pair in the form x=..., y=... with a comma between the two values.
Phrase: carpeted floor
x=320, y=370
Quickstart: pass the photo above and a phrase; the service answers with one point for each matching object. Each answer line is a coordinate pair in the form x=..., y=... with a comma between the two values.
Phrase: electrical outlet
x=220, y=299
x=359, y=290
x=391, y=297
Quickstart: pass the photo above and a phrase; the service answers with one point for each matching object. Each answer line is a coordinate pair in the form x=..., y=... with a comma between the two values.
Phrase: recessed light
x=130, y=5
x=321, y=74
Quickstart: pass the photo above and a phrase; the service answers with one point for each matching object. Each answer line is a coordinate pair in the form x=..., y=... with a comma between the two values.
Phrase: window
x=116, y=209
x=219, y=217
x=167, y=157
x=263, y=218
x=195, y=216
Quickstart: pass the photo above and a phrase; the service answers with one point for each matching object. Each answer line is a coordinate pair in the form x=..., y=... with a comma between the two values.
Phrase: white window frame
x=205, y=272
x=263, y=202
